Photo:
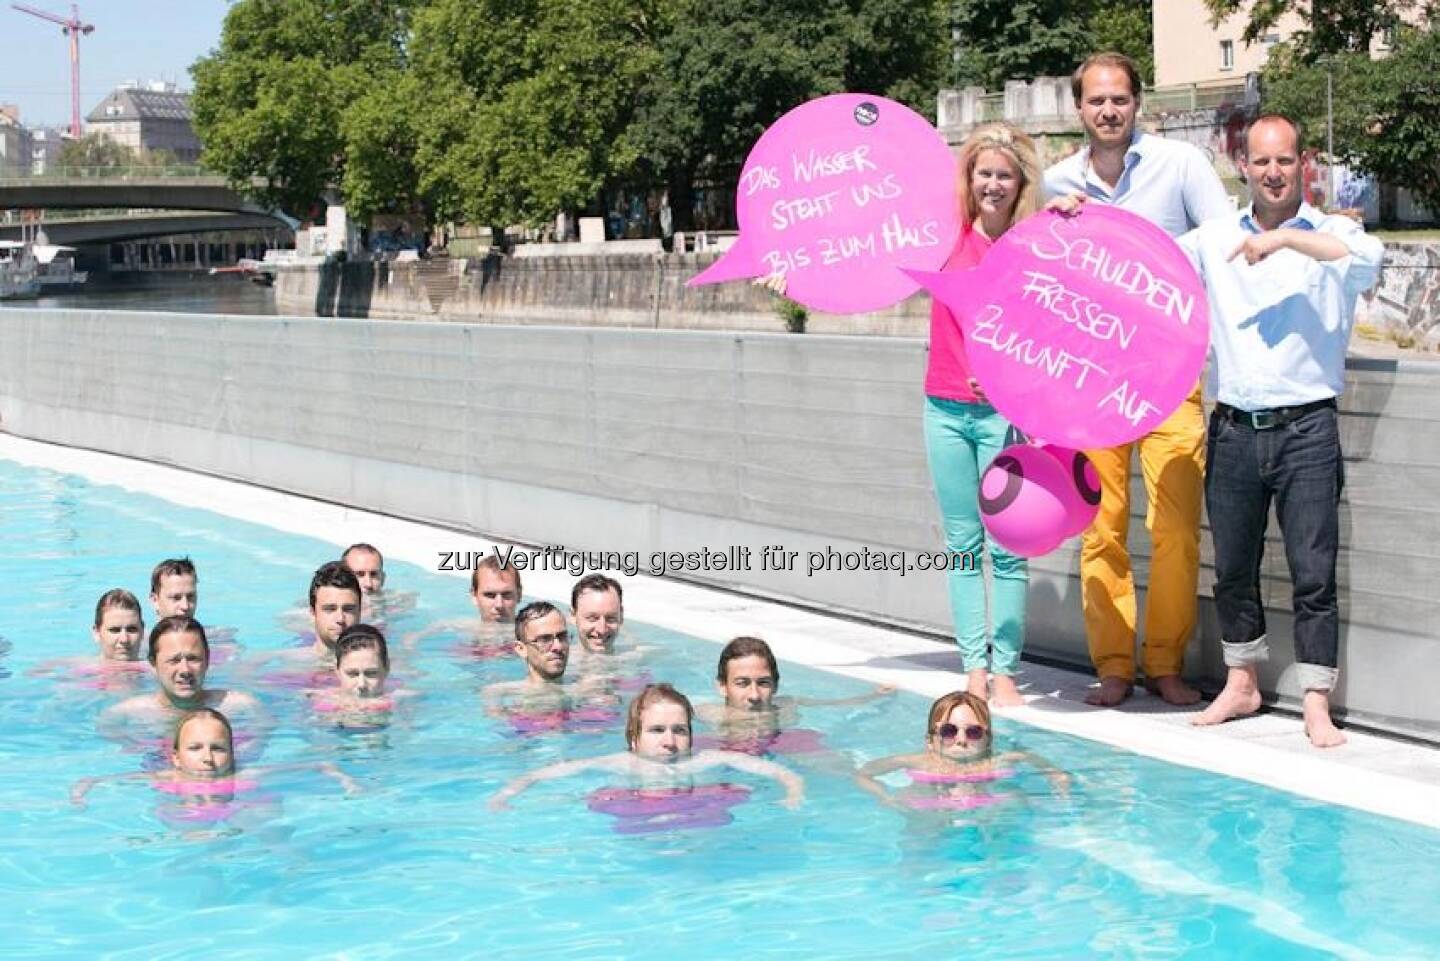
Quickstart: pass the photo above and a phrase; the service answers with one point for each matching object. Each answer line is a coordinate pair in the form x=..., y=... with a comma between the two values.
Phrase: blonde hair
x=653, y=694
x=940, y=712
x=1019, y=149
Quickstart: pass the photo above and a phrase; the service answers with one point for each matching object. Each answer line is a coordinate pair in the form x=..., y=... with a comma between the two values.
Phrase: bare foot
x=1318, y=726
x=1173, y=690
x=1112, y=691
x=1240, y=697
x=979, y=682
x=1006, y=694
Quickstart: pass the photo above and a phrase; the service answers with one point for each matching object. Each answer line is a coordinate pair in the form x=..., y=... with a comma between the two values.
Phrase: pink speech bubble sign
x=835, y=195
x=1086, y=330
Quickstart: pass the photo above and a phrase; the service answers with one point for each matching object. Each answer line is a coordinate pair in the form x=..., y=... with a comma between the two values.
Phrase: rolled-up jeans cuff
x=1245, y=653
x=1316, y=677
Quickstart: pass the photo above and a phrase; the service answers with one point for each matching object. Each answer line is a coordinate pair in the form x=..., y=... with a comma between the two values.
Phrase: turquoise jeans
x=960, y=441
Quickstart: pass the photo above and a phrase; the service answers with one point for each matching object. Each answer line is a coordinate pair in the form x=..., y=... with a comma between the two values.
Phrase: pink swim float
x=220, y=803
x=581, y=720
x=959, y=777
x=647, y=810
x=328, y=704
x=792, y=741
x=954, y=802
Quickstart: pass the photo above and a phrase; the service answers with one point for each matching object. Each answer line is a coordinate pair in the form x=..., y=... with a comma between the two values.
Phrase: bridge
x=141, y=226
x=152, y=188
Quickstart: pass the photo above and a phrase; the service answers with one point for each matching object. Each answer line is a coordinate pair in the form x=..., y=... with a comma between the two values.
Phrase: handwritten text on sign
x=835, y=196
x=1087, y=331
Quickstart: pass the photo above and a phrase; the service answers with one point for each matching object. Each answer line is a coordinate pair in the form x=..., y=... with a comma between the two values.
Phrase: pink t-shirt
x=948, y=374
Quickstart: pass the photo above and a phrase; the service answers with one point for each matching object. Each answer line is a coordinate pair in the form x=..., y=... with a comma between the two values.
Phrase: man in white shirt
x=1282, y=279
x=1174, y=186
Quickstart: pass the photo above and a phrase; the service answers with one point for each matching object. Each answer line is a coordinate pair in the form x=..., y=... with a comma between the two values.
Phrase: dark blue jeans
x=1298, y=467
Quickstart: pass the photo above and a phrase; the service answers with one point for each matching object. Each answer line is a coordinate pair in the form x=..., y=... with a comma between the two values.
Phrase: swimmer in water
x=542, y=642
x=495, y=590
x=658, y=738
x=376, y=603
x=202, y=768
x=180, y=656
x=119, y=633
x=747, y=679
x=362, y=665
x=957, y=761
x=175, y=592
x=334, y=600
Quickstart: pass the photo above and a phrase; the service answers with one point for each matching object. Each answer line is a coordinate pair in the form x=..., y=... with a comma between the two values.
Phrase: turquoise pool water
x=1143, y=860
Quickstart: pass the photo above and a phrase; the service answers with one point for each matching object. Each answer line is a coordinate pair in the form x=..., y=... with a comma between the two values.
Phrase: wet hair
x=333, y=574
x=175, y=624
x=940, y=711
x=532, y=612
x=362, y=546
x=495, y=565
x=746, y=647
x=652, y=694
x=117, y=597
x=197, y=714
x=1107, y=58
x=1019, y=149
x=171, y=567
x=361, y=637
x=1272, y=118
x=598, y=583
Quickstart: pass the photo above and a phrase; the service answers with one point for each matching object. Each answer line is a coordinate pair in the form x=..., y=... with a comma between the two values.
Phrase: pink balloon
x=838, y=193
x=1023, y=500
x=1082, y=495
x=1087, y=330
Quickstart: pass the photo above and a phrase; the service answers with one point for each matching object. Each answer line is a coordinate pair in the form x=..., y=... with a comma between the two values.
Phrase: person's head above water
x=959, y=726
x=597, y=603
x=495, y=588
x=362, y=661
x=367, y=564
x=204, y=744
x=542, y=640
x=119, y=626
x=180, y=655
x=747, y=676
x=658, y=723
x=334, y=601
x=174, y=587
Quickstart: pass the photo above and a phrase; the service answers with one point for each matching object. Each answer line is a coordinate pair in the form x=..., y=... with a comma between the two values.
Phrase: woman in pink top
x=999, y=185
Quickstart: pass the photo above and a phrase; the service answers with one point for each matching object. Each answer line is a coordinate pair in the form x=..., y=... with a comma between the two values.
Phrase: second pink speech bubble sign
x=1086, y=331
x=837, y=194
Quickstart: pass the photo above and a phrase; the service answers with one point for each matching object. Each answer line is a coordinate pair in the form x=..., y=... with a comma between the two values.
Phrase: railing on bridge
x=128, y=172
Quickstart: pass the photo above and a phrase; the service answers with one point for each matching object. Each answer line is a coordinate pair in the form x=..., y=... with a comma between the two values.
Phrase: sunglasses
x=949, y=732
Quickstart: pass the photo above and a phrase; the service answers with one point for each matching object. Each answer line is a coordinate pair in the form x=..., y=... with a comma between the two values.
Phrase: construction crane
x=72, y=28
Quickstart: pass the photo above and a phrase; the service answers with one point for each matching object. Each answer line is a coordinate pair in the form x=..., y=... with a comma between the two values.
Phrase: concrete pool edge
x=1267, y=750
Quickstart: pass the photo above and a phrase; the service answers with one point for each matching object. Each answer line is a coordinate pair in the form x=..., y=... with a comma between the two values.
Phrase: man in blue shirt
x=1282, y=279
x=1173, y=185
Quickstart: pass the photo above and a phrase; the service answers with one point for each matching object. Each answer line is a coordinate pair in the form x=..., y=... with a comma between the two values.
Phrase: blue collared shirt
x=1279, y=329
x=1168, y=182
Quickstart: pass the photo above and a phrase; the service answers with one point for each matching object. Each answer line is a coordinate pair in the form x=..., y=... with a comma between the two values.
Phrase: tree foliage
x=1000, y=40
x=96, y=150
x=1332, y=26
x=504, y=111
x=1385, y=113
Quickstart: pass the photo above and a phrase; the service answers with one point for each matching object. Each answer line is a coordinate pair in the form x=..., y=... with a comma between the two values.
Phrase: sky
x=133, y=40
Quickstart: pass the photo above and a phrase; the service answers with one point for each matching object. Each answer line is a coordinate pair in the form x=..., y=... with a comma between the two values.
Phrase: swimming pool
x=1144, y=859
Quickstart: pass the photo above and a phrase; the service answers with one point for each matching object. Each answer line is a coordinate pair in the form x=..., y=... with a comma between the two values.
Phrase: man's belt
x=1274, y=417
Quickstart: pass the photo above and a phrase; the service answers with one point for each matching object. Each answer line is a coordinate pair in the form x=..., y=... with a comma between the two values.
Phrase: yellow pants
x=1172, y=458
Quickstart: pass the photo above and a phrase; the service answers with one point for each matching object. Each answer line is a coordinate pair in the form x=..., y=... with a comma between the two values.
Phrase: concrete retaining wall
x=647, y=440
x=628, y=290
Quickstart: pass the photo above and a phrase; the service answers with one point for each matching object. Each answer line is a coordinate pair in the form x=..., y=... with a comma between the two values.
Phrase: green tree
x=729, y=68
x=1126, y=26
x=997, y=40
x=1333, y=26
x=527, y=104
x=269, y=100
x=96, y=150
